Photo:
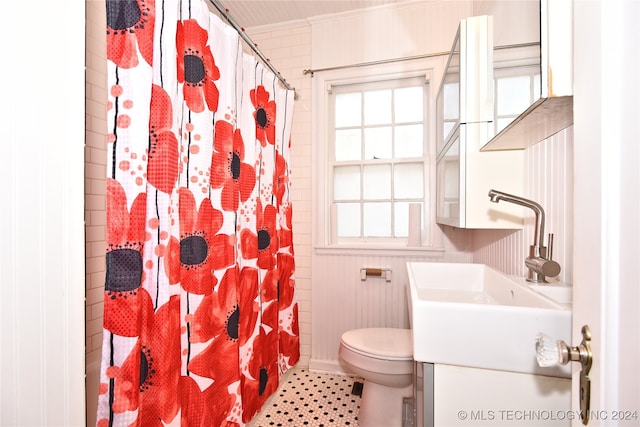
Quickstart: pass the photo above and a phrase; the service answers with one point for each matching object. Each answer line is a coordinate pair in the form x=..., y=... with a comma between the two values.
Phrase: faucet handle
x=546, y=267
x=550, y=247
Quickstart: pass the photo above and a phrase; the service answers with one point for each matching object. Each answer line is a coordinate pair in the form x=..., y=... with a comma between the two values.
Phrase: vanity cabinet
x=448, y=395
x=465, y=116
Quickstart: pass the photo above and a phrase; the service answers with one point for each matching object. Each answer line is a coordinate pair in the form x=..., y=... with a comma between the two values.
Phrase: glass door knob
x=548, y=351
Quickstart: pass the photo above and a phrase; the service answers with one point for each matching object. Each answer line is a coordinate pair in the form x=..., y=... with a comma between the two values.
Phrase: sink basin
x=562, y=294
x=472, y=315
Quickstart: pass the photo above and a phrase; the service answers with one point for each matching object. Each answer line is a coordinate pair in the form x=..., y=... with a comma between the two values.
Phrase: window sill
x=378, y=250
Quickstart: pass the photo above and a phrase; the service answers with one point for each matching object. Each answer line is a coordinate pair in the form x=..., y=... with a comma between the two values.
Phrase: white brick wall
x=95, y=167
x=95, y=194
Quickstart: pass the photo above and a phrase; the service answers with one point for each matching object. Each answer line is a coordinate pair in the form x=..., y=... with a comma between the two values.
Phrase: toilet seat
x=380, y=343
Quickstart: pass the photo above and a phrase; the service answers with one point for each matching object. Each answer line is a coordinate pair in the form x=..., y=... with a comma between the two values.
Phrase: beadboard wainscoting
x=342, y=301
x=549, y=181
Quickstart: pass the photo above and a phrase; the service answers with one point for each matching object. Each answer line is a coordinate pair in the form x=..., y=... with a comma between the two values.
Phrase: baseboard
x=328, y=367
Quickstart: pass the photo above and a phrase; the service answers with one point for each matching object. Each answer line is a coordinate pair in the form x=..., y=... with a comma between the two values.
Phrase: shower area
x=194, y=299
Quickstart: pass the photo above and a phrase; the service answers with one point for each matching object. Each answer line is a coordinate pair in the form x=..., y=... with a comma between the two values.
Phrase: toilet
x=383, y=357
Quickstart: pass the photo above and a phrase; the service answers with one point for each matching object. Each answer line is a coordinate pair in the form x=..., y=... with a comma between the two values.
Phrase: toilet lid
x=381, y=342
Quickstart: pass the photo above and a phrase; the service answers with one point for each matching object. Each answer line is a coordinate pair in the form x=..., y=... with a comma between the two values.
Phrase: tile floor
x=311, y=399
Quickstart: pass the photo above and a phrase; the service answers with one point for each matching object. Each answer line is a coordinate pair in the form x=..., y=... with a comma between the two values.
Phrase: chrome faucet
x=539, y=264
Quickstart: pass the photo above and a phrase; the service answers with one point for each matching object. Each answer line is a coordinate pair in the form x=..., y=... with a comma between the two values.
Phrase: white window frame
x=431, y=240
x=332, y=163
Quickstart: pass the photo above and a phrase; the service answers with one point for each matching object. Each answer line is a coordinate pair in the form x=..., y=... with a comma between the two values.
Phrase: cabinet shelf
x=544, y=118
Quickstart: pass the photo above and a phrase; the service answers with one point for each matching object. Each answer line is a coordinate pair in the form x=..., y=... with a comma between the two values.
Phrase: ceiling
x=255, y=13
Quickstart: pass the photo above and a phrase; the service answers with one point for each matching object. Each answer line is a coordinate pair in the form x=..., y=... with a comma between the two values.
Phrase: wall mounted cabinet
x=465, y=175
x=465, y=123
x=553, y=110
x=466, y=91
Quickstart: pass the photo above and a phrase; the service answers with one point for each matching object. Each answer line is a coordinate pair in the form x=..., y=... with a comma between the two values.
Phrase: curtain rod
x=366, y=64
x=225, y=12
x=407, y=58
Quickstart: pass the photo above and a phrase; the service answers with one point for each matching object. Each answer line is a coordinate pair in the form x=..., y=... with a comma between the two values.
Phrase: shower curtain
x=200, y=311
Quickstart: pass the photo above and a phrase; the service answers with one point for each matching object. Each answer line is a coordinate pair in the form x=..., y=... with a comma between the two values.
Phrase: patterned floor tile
x=311, y=399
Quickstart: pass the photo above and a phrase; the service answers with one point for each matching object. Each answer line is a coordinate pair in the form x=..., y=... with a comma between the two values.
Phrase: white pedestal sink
x=472, y=315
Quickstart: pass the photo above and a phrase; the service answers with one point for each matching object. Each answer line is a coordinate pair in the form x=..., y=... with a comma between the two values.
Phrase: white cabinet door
x=465, y=175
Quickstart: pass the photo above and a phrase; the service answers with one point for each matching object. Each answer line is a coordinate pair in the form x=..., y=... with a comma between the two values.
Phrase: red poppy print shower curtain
x=200, y=311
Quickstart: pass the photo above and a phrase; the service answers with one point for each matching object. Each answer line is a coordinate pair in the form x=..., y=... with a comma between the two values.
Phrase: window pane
x=377, y=107
x=346, y=183
x=348, y=219
x=377, y=143
x=401, y=220
x=513, y=94
x=408, y=181
x=452, y=179
x=408, y=141
x=451, y=100
x=447, y=127
x=377, y=219
x=376, y=182
x=536, y=87
x=408, y=104
x=502, y=123
x=348, y=144
x=348, y=111
x=449, y=172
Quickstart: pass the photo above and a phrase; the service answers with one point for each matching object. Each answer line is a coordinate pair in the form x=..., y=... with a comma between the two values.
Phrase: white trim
x=606, y=153
x=515, y=57
x=278, y=26
x=386, y=250
x=357, y=13
x=327, y=367
x=42, y=262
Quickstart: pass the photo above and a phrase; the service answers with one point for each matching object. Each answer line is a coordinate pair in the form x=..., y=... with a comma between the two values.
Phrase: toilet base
x=381, y=406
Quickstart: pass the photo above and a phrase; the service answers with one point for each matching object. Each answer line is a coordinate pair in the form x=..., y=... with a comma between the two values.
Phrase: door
x=606, y=203
x=42, y=280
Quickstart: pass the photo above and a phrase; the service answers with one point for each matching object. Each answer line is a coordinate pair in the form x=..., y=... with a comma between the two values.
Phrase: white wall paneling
x=342, y=301
x=402, y=30
x=549, y=181
x=41, y=220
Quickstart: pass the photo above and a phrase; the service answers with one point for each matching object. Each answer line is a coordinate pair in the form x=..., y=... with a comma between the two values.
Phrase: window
x=377, y=158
